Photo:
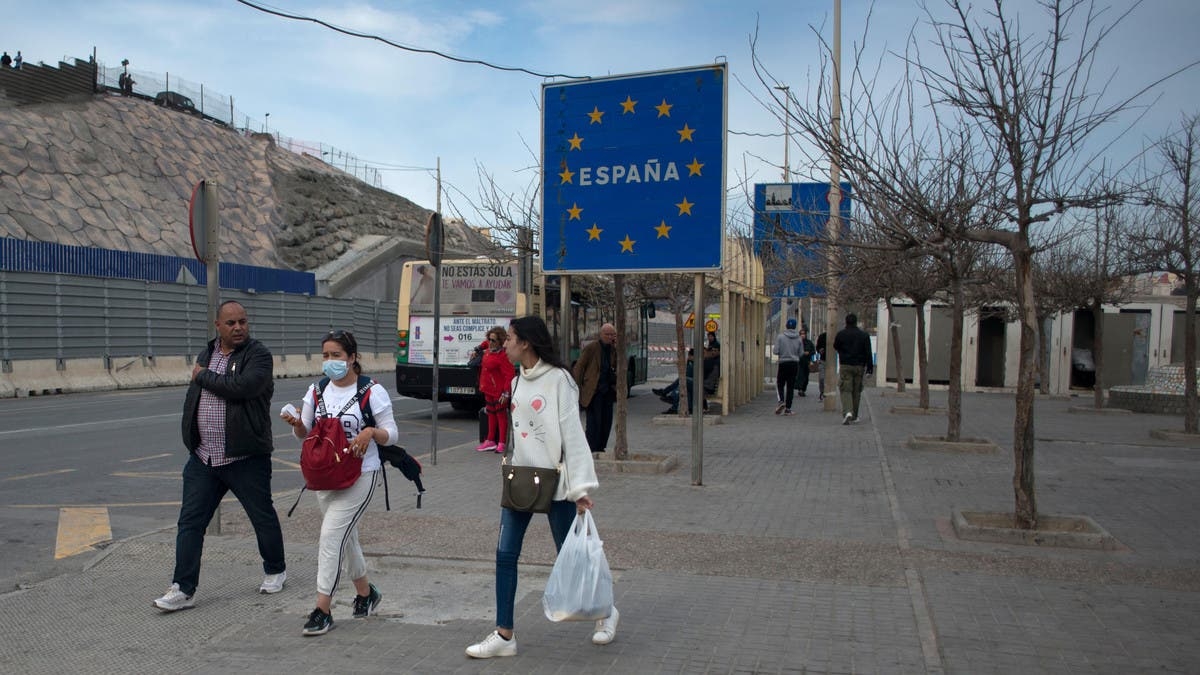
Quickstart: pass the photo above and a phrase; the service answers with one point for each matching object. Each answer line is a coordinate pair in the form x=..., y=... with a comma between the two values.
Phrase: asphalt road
x=119, y=454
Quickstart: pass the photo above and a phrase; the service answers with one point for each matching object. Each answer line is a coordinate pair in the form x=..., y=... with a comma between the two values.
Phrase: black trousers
x=599, y=416
x=802, y=378
x=785, y=381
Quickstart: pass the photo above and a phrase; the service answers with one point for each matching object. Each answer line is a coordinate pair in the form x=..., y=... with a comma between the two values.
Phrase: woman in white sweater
x=546, y=430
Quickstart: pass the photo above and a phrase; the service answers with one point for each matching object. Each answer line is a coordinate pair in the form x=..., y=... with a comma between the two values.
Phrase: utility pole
x=835, y=206
x=787, y=131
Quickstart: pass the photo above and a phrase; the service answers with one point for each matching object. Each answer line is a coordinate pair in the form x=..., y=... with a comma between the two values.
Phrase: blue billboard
x=634, y=172
x=785, y=214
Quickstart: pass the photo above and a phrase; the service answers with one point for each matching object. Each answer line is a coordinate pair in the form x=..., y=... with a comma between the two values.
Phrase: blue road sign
x=634, y=172
x=785, y=212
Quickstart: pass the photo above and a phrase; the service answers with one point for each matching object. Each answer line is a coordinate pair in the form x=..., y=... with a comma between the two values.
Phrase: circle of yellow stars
x=628, y=107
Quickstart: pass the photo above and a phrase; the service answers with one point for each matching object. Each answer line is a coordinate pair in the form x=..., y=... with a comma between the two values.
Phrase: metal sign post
x=204, y=226
x=435, y=235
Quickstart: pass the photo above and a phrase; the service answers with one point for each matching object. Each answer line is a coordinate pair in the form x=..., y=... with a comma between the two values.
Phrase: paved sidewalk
x=812, y=547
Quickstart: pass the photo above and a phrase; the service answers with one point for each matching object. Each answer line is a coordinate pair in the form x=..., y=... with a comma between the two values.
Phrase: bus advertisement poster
x=474, y=288
x=459, y=335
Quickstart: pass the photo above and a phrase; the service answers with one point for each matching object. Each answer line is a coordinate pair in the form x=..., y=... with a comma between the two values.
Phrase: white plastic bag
x=580, y=585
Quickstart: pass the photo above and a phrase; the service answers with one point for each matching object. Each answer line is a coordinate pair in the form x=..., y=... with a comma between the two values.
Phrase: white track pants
x=341, y=511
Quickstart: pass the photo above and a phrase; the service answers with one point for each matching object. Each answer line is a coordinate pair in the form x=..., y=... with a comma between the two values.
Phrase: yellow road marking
x=146, y=474
x=79, y=529
x=142, y=459
x=39, y=475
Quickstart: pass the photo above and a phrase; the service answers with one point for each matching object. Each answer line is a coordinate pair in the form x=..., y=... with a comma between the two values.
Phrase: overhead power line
x=418, y=50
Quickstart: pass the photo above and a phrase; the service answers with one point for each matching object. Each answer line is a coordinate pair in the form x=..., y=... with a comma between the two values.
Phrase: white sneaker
x=847, y=418
x=174, y=599
x=273, y=583
x=493, y=645
x=606, y=629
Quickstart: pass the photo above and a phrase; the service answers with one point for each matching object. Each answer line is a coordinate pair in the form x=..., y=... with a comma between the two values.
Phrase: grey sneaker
x=174, y=600
x=493, y=645
x=364, y=605
x=273, y=583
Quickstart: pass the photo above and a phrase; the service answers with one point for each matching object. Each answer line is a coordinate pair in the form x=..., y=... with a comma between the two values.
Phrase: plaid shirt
x=211, y=418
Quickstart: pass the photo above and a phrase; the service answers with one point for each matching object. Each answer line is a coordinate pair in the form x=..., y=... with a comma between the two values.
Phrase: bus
x=475, y=296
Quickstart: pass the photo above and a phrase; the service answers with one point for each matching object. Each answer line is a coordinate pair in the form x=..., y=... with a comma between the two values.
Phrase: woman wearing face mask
x=342, y=509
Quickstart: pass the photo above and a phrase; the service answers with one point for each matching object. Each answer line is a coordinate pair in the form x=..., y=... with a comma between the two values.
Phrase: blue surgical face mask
x=335, y=370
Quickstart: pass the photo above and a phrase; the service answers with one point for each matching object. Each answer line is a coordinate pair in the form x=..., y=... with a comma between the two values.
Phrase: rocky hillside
x=117, y=173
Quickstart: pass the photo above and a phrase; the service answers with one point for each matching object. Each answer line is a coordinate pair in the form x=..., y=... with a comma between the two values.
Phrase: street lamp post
x=787, y=131
x=266, y=122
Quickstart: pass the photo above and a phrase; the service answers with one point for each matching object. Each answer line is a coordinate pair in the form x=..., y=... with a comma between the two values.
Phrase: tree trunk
x=954, y=395
x=1043, y=357
x=680, y=365
x=1191, y=405
x=1025, y=512
x=894, y=331
x=1098, y=351
x=922, y=356
x=621, y=353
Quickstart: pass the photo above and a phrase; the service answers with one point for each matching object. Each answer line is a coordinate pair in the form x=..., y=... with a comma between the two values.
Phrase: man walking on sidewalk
x=853, y=347
x=788, y=348
x=227, y=431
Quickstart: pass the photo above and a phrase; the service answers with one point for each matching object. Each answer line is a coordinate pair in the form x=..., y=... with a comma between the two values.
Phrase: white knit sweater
x=545, y=418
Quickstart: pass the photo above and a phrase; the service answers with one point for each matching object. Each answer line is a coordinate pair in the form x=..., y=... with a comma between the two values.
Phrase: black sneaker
x=364, y=605
x=319, y=623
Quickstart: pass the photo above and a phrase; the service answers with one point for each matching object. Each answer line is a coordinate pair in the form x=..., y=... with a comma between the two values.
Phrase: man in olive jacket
x=227, y=431
x=596, y=374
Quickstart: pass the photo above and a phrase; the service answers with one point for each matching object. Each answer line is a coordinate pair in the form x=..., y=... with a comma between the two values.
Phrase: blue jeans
x=203, y=488
x=508, y=549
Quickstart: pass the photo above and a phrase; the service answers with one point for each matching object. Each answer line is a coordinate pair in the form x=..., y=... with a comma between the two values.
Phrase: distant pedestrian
x=495, y=383
x=806, y=361
x=820, y=359
x=18, y=61
x=6, y=60
x=227, y=431
x=596, y=374
x=788, y=348
x=853, y=347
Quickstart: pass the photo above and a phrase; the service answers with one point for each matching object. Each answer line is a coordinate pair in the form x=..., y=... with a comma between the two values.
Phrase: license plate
x=460, y=390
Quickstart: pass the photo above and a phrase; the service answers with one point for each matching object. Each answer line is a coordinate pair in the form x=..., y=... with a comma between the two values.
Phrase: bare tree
x=1033, y=102
x=1170, y=242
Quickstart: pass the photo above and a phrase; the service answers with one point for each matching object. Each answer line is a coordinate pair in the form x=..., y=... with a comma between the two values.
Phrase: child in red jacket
x=495, y=383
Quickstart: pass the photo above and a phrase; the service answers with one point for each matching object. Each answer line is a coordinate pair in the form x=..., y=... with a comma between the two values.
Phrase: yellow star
x=594, y=232
x=664, y=230
x=575, y=210
x=566, y=175
x=576, y=142
x=685, y=134
x=595, y=115
x=685, y=207
x=694, y=167
x=664, y=108
x=627, y=244
x=628, y=104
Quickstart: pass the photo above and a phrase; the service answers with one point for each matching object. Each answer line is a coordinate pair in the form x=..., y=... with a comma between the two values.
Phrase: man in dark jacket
x=806, y=361
x=227, y=431
x=853, y=347
x=596, y=374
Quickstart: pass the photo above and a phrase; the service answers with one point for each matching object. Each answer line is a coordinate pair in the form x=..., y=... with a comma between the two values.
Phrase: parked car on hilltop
x=172, y=99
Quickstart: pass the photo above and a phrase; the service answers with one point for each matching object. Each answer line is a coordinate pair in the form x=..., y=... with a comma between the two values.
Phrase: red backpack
x=325, y=457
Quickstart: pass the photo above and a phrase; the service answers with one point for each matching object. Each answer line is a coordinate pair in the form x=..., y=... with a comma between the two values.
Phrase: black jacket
x=246, y=387
x=853, y=346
